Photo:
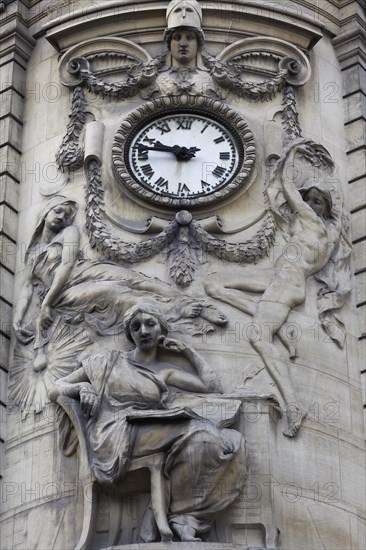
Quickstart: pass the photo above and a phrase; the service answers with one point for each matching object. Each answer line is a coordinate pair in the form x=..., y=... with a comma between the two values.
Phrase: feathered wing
x=29, y=389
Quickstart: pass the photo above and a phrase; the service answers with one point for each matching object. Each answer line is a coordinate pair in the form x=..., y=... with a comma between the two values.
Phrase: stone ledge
x=183, y=546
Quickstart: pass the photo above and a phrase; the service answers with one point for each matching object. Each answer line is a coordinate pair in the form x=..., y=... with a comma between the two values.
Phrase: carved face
x=58, y=217
x=317, y=202
x=183, y=9
x=184, y=46
x=145, y=331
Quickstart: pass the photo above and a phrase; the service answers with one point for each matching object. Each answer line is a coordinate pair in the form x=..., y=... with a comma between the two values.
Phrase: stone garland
x=182, y=266
x=252, y=91
x=100, y=236
x=250, y=251
x=181, y=230
x=221, y=73
x=290, y=116
x=70, y=156
x=113, y=90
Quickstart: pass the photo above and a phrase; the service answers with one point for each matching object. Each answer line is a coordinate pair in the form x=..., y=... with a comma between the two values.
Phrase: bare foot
x=213, y=315
x=186, y=533
x=192, y=310
x=294, y=420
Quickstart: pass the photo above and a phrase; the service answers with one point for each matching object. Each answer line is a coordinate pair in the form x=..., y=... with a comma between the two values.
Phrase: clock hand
x=186, y=153
x=181, y=153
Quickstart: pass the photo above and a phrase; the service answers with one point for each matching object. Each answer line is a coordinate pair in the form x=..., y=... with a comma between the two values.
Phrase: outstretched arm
x=206, y=379
x=287, y=176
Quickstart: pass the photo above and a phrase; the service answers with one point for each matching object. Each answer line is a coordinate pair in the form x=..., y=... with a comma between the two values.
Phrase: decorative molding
x=107, y=53
x=269, y=56
x=98, y=20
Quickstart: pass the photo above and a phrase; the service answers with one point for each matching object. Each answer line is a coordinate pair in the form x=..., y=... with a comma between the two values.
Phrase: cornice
x=14, y=36
x=251, y=18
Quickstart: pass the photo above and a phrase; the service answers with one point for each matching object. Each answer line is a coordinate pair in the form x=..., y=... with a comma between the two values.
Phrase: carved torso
x=306, y=248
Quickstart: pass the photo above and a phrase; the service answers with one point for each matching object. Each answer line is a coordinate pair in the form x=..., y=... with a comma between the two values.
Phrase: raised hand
x=46, y=318
x=22, y=335
x=171, y=344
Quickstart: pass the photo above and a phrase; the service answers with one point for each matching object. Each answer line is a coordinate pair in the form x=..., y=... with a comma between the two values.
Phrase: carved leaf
x=290, y=118
x=182, y=266
x=70, y=155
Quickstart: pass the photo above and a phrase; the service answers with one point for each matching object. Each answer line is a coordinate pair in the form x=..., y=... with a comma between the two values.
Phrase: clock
x=183, y=156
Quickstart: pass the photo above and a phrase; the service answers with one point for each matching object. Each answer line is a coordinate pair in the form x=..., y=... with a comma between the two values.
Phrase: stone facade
x=81, y=82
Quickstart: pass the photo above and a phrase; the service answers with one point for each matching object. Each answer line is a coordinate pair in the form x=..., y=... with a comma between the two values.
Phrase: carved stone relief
x=197, y=454
x=132, y=408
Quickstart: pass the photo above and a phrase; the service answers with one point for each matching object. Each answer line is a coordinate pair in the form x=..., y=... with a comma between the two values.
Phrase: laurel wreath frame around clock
x=199, y=105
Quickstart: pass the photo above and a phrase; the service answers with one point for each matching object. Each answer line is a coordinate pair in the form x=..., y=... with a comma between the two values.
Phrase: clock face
x=184, y=155
x=190, y=151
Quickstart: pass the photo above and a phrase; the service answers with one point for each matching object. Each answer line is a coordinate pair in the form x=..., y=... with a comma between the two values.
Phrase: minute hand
x=181, y=153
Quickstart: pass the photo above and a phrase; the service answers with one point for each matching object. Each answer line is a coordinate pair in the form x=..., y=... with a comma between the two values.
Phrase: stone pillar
x=350, y=47
x=16, y=44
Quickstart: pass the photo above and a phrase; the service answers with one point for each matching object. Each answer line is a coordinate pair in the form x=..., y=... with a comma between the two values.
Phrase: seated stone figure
x=125, y=397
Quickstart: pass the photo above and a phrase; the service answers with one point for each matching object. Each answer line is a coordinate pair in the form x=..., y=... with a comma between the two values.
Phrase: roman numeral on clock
x=224, y=156
x=219, y=139
x=219, y=171
x=205, y=186
x=150, y=141
x=184, y=124
x=183, y=188
x=143, y=155
x=147, y=170
x=163, y=127
x=161, y=182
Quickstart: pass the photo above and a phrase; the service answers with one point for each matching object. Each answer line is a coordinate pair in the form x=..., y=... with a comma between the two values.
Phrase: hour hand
x=185, y=153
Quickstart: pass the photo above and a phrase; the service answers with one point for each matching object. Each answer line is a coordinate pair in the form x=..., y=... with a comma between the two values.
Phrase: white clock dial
x=183, y=155
x=183, y=152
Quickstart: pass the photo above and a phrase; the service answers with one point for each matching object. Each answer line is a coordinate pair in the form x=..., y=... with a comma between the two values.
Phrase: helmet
x=183, y=13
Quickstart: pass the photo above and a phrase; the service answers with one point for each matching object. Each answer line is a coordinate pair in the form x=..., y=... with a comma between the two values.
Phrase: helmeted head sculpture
x=184, y=14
